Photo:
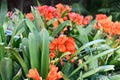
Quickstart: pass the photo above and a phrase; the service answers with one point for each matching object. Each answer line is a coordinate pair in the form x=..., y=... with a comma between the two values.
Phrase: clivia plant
x=54, y=43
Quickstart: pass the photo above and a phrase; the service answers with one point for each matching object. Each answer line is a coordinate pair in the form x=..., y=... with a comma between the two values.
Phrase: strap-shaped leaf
x=2, y=34
x=2, y=50
x=88, y=61
x=40, y=20
x=31, y=26
x=99, y=69
x=51, y=21
x=25, y=49
x=86, y=46
x=3, y=11
x=18, y=75
x=17, y=58
x=6, y=69
x=82, y=35
x=45, y=52
x=14, y=32
x=33, y=51
x=61, y=27
x=35, y=21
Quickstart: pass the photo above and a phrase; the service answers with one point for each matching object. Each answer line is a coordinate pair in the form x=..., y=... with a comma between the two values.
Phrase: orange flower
x=60, y=20
x=101, y=16
x=61, y=8
x=55, y=41
x=52, y=46
x=62, y=39
x=70, y=46
x=117, y=28
x=76, y=18
x=65, y=18
x=70, y=40
x=62, y=44
x=53, y=73
x=72, y=16
x=106, y=24
x=55, y=24
x=61, y=48
x=48, y=12
x=34, y=74
x=79, y=19
x=67, y=8
x=87, y=20
x=52, y=55
x=30, y=16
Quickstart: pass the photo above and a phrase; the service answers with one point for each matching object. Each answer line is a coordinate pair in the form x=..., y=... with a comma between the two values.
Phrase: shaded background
x=85, y=7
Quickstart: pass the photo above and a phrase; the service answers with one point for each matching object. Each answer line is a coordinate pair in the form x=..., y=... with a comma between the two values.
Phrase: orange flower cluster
x=48, y=11
x=107, y=25
x=61, y=8
x=53, y=73
x=78, y=19
x=61, y=44
x=34, y=74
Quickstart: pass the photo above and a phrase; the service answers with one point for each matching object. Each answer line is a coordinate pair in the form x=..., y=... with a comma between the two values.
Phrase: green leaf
x=33, y=51
x=26, y=54
x=64, y=54
x=31, y=26
x=3, y=11
x=86, y=46
x=38, y=19
x=61, y=27
x=14, y=32
x=66, y=69
x=17, y=58
x=51, y=21
x=45, y=52
x=99, y=69
x=80, y=76
x=65, y=77
x=89, y=28
x=18, y=75
x=102, y=77
x=20, y=31
x=2, y=51
x=82, y=35
x=98, y=35
x=6, y=68
x=2, y=34
x=115, y=77
x=35, y=20
x=89, y=60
